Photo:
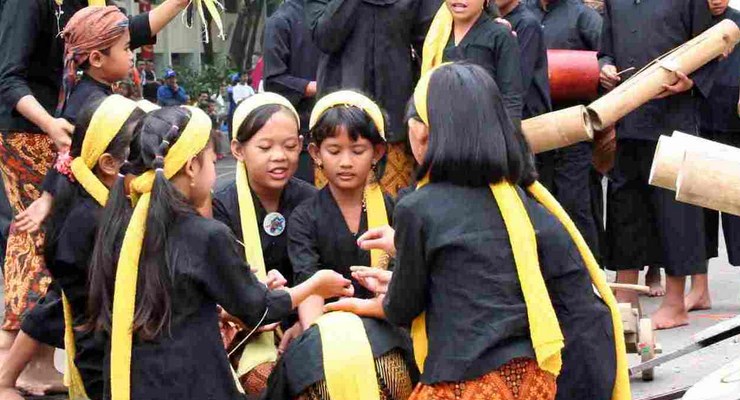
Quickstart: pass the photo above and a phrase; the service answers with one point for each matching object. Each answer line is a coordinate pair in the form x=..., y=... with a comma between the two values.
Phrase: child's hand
x=374, y=279
x=328, y=284
x=379, y=238
x=292, y=333
x=275, y=280
x=31, y=219
x=362, y=307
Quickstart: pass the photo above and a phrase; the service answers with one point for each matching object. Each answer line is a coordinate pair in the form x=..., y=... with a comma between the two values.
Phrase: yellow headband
x=252, y=103
x=422, y=92
x=106, y=122
x=190, y=142
x=349, y=98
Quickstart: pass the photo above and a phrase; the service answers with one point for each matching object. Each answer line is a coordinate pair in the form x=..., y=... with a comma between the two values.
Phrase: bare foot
x=668, y=317
x=652, y=280
x=10, y=394
x=698, y=300
x=41, y=379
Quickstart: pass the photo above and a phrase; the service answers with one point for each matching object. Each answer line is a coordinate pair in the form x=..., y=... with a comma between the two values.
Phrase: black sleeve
x=427, y=9
x=331, y=22
x=277, y=61
x=52, y=181
x=302, y=248
x=222, y=213
x=589, y=27
x=408, y=290
x=697, y=12
x=228, y=279
x=509, y=75
x=531, y=46
x=606, y=49
x=20, y=26
x=140, y=31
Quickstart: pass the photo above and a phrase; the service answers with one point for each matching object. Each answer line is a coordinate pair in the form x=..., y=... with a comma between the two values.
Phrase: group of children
x=472, y=284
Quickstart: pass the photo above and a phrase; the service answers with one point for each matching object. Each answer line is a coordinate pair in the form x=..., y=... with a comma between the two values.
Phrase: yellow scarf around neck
x=190, y=143
x=262, y=349
x=548, y=335
x=436, y=40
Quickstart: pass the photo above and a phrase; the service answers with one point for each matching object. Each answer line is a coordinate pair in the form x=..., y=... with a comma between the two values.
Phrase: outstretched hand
x=375, y=280
x=363, y=307
x=381, y=238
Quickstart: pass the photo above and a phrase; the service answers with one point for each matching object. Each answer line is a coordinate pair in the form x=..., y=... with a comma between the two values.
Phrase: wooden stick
x=710, y=180
x=557, y=129
x=648, y=83
x=634, y=288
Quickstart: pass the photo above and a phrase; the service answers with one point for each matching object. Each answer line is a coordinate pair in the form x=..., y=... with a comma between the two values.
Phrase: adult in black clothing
x=367, y=46
x=718, y=121
x=31, y=64
x=570, y=25
x=291, y=60
x=646, y=225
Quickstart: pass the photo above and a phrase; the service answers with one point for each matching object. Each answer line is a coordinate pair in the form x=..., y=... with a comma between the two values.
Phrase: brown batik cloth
x=254, y=382
x=394, y=380
x=24, y=160
x=399, y=168
x=519, y=379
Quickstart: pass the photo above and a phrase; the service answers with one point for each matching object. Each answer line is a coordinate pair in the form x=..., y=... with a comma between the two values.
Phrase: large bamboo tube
x=669, y=156
x=557, y=129
x=648, y=83
x=710, y=181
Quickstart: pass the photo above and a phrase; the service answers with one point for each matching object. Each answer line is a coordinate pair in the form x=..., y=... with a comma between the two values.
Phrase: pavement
x=680, y=373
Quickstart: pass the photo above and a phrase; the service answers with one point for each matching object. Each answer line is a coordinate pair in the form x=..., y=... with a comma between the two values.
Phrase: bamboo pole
x=670, y=154
x=710, y=180
x=648, y=83
x=557, y=129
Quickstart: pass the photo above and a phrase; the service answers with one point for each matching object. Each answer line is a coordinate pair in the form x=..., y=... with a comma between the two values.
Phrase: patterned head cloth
x=92, y=28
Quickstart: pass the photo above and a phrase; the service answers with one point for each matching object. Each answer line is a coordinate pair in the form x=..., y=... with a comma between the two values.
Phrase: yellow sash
x=191, y=142
x=436, y=40
x=349, y=366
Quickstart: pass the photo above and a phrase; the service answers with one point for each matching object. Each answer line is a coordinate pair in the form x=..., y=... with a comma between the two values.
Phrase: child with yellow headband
x=347, y=142
x=99, y=147
x=495, y=282
x=157, y=300
x=257, y=205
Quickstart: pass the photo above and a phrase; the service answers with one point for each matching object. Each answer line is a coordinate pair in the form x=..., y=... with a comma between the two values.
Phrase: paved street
x=725, y=287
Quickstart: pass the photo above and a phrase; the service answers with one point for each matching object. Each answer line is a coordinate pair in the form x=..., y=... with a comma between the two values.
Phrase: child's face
x=204, y=167
x=347, y=163
x=418, y=139
x=718, y=7
x=465, y=10
x=271, y=155
x=117, y=64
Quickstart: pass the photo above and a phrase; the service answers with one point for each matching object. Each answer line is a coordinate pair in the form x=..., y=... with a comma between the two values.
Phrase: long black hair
x=158, y=131
x=66, y=191
x=257, y=120
x=472, y=141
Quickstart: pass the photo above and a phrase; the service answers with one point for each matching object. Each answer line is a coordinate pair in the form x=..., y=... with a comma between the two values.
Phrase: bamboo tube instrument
x=648, y=83
x=557, y=129
x=710, y=180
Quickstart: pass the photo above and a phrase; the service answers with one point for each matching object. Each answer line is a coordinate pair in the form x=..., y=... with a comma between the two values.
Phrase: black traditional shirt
x=189, y=361
x=291, y=57
x=367, y=46
x=32, y=54
x=718, y=112
x=492, y=46
x=568, y=24
x=319, y=238
x=457, y=265
x=533, y=63
x=636, y=33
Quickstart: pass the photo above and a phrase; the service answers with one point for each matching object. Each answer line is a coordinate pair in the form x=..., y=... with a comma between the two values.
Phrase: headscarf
x=262, y=348
x=375, y=204
x=92, y=28
x=191, y=141
x=547, y=338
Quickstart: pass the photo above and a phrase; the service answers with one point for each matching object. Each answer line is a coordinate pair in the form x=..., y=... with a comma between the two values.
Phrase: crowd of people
x=387, y=234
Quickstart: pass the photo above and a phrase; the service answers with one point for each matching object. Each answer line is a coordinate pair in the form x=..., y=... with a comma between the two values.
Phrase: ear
x=95, y=59
x=315, y=153
x=237, y=150
x=191, y=168
x=108, y=166
x=379, y=151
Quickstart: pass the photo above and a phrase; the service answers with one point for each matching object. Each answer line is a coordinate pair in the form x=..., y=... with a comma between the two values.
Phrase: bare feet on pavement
x=652, y=280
